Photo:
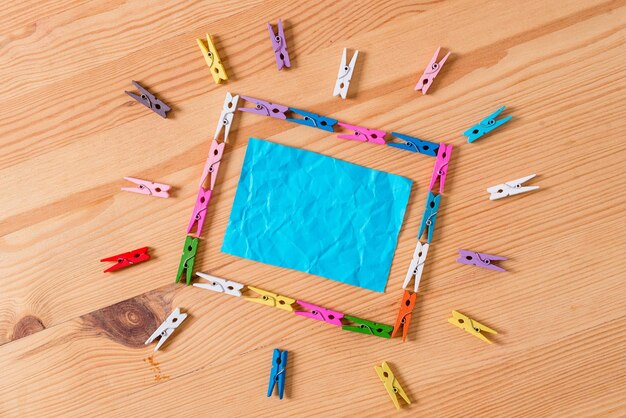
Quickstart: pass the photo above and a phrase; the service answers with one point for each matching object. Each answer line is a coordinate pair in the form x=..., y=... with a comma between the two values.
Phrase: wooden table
x=72, y=338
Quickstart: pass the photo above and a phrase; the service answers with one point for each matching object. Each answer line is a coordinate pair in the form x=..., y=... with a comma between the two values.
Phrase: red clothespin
x=404, y=314
x=127, y=259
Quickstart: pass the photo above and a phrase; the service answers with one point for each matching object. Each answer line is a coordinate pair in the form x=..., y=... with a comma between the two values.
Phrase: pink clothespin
x=426, y=80
x=363, y=134
x=212, y=164
x=199, y=211
x=320, y=314
x=147, y=187
x=441, y=166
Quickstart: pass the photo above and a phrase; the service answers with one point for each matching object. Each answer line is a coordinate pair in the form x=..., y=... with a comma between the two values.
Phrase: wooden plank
x=71, y=337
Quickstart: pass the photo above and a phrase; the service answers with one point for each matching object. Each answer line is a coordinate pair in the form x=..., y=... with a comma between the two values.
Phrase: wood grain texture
x=71, y=337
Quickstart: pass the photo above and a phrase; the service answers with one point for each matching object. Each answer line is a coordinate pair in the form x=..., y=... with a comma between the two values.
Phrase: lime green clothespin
x=188, y=258
x=367, y=327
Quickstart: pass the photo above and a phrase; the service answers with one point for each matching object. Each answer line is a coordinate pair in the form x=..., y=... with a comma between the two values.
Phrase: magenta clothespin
x=279, y=45
x=199, y=211
x=441, y=166
x=483, y=260
x=147, y=187
x=212, y=164
x=320, y=314
x=426, y=80
x=261, y=107
x=363, y=134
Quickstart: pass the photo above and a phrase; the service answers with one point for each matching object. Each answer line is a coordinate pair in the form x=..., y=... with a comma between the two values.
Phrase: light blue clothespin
x=313, y=120
x=430, y=215
x=414, y=145
x=277, y=375
x=486, y=125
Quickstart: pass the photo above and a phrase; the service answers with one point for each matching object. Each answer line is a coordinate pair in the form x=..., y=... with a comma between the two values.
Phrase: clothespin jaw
x=147, y=187
x=427, y=78
x=440, y=169
x=392, y=386
x=404, y=314
x=271, y=299
x=472, y=258
x=417, y=266
x=198, y=215
x=188, y=258
x=414, y=144
x=212, y=164
x=486, y=125
x=313, y=120
x=218, y=284
x=167, y=328
x=279, y=45
x=511, y=188
x=469, y=325
x=227, y=115
x=319, y=313
x=277, y=373
x=363, y=134
x=363, y=326
x=265, y=108
x=149, y=100
x=430, y=216
x=345, y=75
x=127, y=259
x=209, y=52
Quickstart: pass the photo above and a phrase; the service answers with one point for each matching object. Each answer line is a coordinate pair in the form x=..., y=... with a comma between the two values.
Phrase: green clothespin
x=188, y=258
x=367, y=327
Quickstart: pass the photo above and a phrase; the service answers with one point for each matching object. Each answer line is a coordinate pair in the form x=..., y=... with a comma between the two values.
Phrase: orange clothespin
x=404, y=314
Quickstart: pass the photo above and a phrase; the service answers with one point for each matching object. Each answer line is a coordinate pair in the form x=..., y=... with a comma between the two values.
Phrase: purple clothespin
x=261, y=107
x=320, y=314
x=363, y=134
x=149, y=100
x=279, y=45
x=483, y=260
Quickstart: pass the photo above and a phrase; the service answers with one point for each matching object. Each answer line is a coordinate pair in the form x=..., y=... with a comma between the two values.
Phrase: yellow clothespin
x=272, y=299
x=391, y=384
x=473, y=327
x=212, y=59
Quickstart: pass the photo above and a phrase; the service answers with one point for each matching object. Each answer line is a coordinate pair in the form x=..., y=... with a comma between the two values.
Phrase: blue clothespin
x=277, y=375
x=415, y=145
x=313, y=120
x=430, y=216
x=485, y=126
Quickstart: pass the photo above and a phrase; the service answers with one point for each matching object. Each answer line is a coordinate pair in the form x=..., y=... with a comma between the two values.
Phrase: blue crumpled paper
x=313, y=213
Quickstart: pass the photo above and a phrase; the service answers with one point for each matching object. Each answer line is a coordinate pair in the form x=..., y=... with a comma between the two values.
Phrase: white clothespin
x=511, y=188
x=226, y=118
x=345, y=75
x=167, y=328
x=417, y=266
x=218, y=284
